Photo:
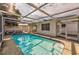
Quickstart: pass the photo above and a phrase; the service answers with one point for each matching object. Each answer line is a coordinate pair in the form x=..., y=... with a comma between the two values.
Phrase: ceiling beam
x=61, y=12
x=35, y=8
x=39, y=9
x=64, y=18
x=30, y=18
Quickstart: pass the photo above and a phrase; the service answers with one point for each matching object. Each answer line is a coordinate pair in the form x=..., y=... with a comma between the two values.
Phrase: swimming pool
x=31, y=44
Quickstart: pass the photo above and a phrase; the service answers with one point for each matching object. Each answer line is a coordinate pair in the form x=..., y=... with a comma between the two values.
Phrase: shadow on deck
x=73, y=50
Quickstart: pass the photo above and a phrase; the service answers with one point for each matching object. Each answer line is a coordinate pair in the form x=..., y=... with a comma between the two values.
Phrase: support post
x=78, y=31
x=2, y=28
x=65, y=31
x=56, y=27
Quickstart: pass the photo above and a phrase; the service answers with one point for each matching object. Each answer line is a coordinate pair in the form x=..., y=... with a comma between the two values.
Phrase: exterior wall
x=23, y=28
x=32, y=28
x=52, y=31
x=72, y=27
x=12, y=28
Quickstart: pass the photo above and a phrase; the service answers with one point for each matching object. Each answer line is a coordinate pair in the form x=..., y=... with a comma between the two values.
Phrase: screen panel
x=37, y=14
x=53, y=8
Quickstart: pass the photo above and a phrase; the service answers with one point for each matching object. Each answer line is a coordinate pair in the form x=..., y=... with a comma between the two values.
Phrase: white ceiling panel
x=49, y=9
x=35, y=20
x=75, y=12
x=38, y=4
x=47, y=18
x=26, y=19
x=24, y=8
x=37, y=14
x=53, y=8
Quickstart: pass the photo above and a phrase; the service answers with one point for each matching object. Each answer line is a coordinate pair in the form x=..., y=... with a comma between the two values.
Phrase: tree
x=7, y=6
x=17, y=12
x=4, y=6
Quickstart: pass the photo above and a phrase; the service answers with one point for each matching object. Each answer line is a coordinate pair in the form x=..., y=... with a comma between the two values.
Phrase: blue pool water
x=31, y=44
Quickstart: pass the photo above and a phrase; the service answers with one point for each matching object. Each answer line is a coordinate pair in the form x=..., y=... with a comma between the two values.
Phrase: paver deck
x=10, y=47
x=71, y=47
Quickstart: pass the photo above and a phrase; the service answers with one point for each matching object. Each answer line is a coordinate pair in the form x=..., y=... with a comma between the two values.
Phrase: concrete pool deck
x=71, y=47
x=10, y=47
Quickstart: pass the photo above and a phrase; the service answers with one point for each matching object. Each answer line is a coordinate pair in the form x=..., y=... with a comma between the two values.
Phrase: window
x=45, y=27
x=63, y=25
